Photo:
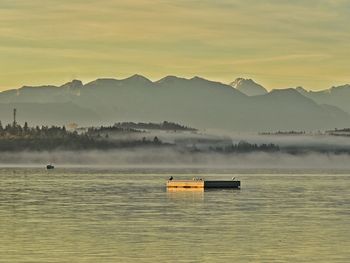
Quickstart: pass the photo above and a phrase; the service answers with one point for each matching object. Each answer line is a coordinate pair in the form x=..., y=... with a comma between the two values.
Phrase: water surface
x=78, y=216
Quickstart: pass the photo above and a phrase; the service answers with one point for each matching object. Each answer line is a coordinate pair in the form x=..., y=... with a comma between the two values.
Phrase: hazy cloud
x=110, y=38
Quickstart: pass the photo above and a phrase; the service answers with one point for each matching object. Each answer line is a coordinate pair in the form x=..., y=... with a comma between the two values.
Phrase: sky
x=278, y=43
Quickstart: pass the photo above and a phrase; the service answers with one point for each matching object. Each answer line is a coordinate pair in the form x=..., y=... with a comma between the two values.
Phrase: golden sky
x=279, y=43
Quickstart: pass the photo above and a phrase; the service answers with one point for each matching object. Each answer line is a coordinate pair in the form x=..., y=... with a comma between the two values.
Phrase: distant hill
x=248, y=87
x=291, y=109
x=163, y=126
x=335, y=96
x=60, y=113
x=198, y=102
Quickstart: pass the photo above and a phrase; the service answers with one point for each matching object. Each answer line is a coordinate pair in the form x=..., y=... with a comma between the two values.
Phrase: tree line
x=165, y=125
x=245, y=147
x=18, y=138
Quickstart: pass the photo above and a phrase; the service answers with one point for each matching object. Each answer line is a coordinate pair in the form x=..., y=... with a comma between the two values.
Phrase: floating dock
x=202, y=184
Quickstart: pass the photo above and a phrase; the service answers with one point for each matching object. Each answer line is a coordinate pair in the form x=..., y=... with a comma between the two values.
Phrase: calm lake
x=82, y=215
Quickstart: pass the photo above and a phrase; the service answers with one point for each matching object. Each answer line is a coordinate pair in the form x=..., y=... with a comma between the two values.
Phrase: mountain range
x=248, y=87
x=242, y=105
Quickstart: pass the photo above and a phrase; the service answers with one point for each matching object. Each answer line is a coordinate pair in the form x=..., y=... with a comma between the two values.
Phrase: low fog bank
x=301, y=141
x=167, y=158
x=200, y=139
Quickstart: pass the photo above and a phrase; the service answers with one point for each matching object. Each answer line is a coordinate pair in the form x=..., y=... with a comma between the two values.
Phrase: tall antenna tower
x=14, y=117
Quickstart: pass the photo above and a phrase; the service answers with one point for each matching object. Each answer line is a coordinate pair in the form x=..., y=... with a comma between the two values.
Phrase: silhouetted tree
x=25, y=128
x=156, y=140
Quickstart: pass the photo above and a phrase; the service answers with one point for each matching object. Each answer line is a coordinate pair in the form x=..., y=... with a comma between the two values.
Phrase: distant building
x=14, y=117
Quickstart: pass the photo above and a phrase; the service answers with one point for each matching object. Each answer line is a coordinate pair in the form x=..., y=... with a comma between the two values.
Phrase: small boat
x=50, y=167
x=204, y=184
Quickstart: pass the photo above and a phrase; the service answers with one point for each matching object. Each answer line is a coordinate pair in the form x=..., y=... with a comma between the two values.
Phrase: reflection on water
x=72, y=216
x=186, y=194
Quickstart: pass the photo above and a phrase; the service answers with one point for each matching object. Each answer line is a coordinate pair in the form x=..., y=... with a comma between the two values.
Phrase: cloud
x=163, y=37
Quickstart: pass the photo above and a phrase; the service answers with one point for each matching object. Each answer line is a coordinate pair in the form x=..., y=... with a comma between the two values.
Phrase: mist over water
x=167, y=158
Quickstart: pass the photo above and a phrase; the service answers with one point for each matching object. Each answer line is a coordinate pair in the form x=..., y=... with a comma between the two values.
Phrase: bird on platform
x=171, y=178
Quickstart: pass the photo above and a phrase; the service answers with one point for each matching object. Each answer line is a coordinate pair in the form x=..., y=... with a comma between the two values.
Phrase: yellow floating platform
x=203, y=184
